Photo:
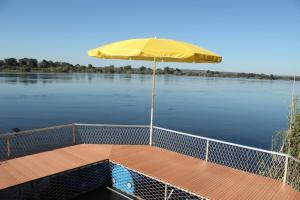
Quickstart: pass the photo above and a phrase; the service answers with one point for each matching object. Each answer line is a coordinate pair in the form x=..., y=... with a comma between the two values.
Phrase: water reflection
x=54, y=78
x=28, y=79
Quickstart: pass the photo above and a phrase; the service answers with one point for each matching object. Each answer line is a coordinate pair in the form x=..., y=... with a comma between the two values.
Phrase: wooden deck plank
x=32, y=167
x=207, y=179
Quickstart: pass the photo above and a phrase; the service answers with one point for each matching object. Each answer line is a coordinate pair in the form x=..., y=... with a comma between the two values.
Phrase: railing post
x=151, y=135
x=285, y=168
x=152, y=102
x=206, y=152
x=74, y=133
x=8, y=146
x=166, y=192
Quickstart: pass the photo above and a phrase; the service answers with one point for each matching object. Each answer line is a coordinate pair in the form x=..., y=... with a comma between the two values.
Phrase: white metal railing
x=112, y=134
x=220, y=141
x=272, y=164
x=275, y=165
x=147, y=187
x=33, y=141
x=62, y=186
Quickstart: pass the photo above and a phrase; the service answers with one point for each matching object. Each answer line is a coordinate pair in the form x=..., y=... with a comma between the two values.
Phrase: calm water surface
x=237, y=110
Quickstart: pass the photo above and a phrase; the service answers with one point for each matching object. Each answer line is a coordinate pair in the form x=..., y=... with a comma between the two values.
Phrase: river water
x=242, y=111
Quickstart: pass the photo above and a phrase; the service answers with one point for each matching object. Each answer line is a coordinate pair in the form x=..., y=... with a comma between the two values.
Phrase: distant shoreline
x=29, y=65
x=285, y=78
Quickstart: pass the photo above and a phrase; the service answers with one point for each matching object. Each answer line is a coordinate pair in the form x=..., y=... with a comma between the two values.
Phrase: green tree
x=44, y=64
x=177, y=71
x=28, y=62
x=127, y=67
x=11, y=61
x=2, y=65
x=168, y=70
x=272, y=77
x=109, y=69
x=142, y=68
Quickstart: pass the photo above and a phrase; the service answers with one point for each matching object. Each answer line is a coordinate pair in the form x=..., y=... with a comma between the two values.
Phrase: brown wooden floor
x=207, y=179
x=27, y=168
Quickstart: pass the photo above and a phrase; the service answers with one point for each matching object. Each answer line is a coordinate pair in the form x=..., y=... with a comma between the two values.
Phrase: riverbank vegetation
x=292, y=139
x=46, y=66
x=288, y=141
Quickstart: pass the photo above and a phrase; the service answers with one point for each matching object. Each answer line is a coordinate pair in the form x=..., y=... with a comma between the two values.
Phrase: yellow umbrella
x=157, y=50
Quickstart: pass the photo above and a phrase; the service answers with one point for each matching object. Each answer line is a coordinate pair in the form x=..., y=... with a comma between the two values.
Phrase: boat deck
x=204, y=178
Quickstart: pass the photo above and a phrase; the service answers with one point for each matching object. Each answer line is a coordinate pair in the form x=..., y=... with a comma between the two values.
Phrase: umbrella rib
x=142, y=50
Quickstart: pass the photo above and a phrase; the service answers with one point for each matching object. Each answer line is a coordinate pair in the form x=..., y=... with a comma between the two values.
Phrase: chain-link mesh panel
x=35, y=141
x=20, y=192
x=239, y=157
x=184, y=144
x=135, y=184
x=235, y=156
x=176, y=194
x=293, y=173
x=62, y=186
x=249, y=160
x=3, y=148
x=144, y=187
x=97, y=134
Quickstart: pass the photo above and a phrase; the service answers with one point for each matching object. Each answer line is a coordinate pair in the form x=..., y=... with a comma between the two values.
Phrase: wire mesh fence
x=3, y=147
x=253, y=160
x=174, y=193
x=35, y=141
x=293, y=175
x=62, y=186
x=112, y=134
x=180, y=143
x=257, y=161
x=247, y=159
x=142, y=186
x=28, y=142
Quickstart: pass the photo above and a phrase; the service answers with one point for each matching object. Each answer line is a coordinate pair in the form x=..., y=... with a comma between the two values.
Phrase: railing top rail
x=220, y=141
x=147, y=126
x=160, y=180
x=33, y=130
x=113, y=125
x=295, y=159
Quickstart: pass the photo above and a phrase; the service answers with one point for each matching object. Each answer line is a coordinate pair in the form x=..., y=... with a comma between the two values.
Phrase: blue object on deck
x=122, y=179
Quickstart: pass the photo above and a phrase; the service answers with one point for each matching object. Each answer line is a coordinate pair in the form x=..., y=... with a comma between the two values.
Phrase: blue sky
x=261, y=36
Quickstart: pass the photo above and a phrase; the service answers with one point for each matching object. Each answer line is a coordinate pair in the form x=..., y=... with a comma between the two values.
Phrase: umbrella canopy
x=161, y=49
x=154, y=49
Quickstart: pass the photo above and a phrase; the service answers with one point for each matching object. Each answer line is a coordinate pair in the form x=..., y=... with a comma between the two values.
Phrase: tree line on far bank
x=48, y=66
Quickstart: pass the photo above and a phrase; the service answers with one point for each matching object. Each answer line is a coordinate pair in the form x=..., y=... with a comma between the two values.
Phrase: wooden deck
x=206, y=179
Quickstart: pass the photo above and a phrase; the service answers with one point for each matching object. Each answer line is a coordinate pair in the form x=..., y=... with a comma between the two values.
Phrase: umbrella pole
x=152, y=102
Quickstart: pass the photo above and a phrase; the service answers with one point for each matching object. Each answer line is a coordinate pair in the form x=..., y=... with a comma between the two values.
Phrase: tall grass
x=288, y=141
